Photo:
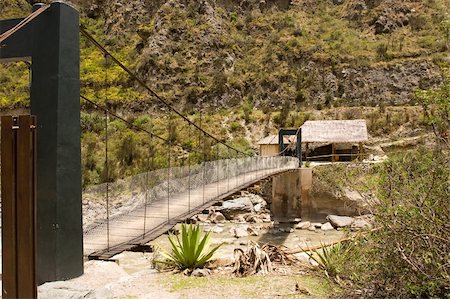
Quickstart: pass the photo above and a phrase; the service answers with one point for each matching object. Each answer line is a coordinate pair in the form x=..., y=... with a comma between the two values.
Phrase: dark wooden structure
x=18, y=158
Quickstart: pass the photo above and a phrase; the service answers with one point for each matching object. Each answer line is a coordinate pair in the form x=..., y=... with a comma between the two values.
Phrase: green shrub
x=382, y=51
x=407, y=256
x=414, y=216
x=191, y=250
x=235, y=126
x=247, y=108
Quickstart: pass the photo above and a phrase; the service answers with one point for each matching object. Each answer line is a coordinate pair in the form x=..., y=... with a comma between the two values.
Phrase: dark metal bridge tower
x=51, y=42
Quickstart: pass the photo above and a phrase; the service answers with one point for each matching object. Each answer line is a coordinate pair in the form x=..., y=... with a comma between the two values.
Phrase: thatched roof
x=272, y=139
x=338, y=131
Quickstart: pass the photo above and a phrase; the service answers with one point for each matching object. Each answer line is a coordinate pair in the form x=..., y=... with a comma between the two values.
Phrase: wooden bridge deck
x=147, y=223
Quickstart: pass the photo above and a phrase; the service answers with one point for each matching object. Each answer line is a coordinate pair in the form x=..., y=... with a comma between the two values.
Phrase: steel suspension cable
x=169, y=125
x=147, y=184
x=139, y=128
x=189, y=171
x=144, y=85
x=106, y=153
x=5, y=35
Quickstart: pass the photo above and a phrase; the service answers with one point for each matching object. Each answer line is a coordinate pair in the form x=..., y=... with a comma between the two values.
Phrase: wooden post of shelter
x=360, y=156
x=18, y=179
x=333, y=152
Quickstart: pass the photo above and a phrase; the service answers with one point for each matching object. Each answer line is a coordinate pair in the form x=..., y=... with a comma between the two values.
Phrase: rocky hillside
x=270, y=54
x=279, y=53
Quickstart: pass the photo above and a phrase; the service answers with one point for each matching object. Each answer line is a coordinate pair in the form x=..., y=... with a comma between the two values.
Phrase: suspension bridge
x=136, y=209
x=174, y=193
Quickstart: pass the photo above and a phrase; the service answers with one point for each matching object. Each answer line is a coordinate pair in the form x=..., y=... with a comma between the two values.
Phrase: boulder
x=327, y=226
x=202, y=217
x=217, y=217
x=241, y=232
x=231, y=208
x=312, y=228
x=340, y=221
x=253, y=218
x=303, y=225
x=360, y=224
x=256, y=199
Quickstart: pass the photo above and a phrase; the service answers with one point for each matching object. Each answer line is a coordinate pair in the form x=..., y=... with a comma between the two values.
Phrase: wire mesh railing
x=144, y=202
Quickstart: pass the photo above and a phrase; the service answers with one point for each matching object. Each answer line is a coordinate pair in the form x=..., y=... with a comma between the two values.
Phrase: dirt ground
x=132, y=274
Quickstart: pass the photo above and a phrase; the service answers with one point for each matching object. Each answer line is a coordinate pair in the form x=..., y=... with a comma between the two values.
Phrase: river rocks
x=252, y=231
x=327, y=226
x=311, y=228
x=253, y=218
x=217, y=217
x=316, y=224
x=340, y=221
x=363, y=222
x=231, y=208
x=241, y=231
x=257, y=208
x=202, y=217
x=201, y=272
x=305, y=258
x=215, y=229
x=248, y=203
x=89, y=285
x=303, y=225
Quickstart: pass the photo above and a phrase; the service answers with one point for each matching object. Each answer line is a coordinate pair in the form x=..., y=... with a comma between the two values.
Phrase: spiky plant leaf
x=191, y=250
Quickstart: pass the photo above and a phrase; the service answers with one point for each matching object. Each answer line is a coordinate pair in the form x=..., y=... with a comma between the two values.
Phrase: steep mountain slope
x=276, y=53
x=270, y=54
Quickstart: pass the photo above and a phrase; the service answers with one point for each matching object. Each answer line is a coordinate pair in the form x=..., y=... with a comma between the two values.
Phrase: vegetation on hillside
x=201, y=54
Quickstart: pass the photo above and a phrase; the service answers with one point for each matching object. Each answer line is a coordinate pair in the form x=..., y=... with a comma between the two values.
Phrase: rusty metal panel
x=18, y=206
x=9, y=271
x=26, y=225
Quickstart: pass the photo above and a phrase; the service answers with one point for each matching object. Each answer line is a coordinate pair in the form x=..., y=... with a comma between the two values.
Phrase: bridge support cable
x=217, y=169
x=106, y=151
x=228, y=169
x=144, y=85
x=147, y=182
x=169, y=150
x=204, y=171
x=189, y=169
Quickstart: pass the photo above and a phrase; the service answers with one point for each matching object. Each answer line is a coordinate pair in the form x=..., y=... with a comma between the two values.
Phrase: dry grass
x=275, y=285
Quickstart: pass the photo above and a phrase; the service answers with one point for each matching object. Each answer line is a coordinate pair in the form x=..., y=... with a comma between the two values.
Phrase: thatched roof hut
x=334, y=138
x=272, y=139
x=335, y=131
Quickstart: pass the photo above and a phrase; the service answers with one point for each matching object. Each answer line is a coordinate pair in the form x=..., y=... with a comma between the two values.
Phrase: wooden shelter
x=334, y=140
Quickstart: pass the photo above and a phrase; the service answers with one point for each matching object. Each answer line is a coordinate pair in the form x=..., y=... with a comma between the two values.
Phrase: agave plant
x=191, y=250
x=331, y=257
